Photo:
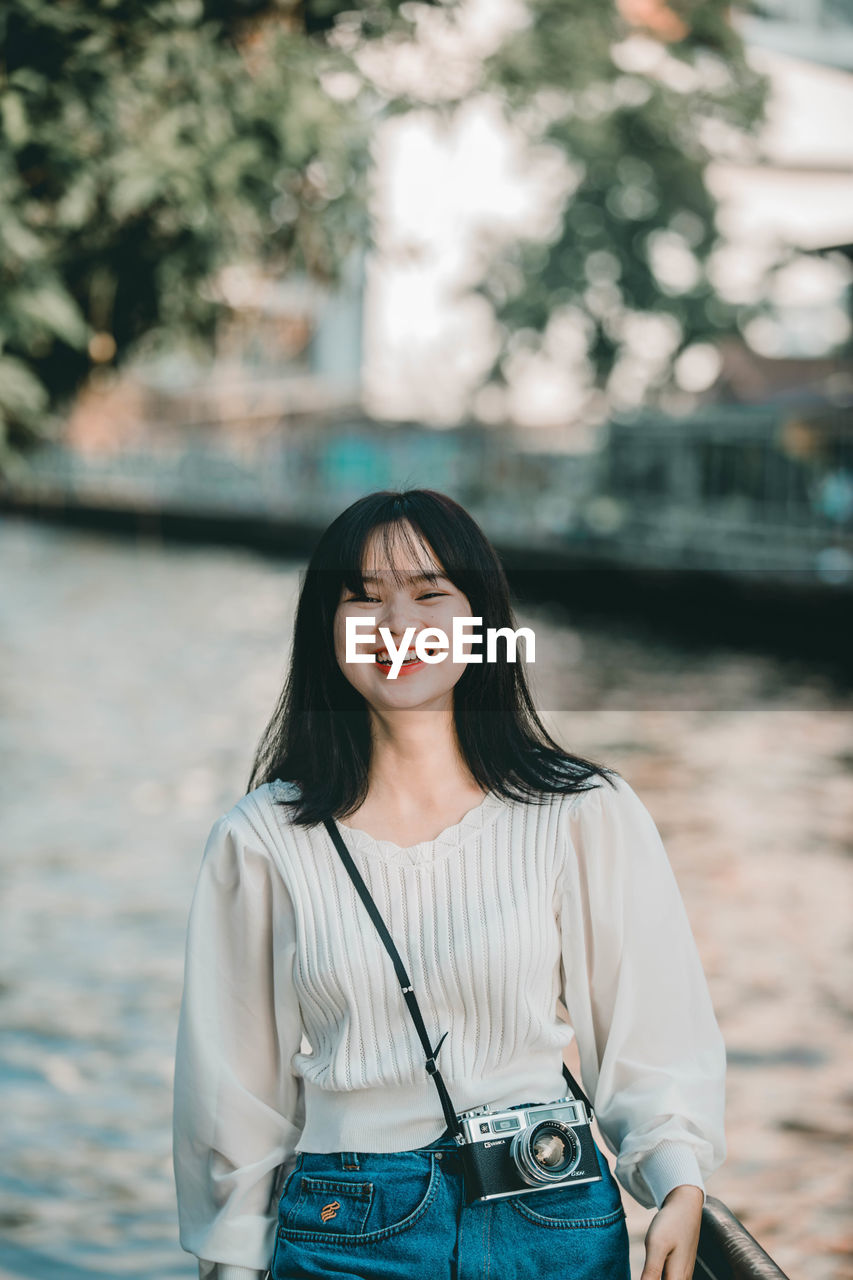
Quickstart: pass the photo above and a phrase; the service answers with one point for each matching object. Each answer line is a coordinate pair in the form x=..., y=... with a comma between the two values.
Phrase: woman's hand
x=673, y=1236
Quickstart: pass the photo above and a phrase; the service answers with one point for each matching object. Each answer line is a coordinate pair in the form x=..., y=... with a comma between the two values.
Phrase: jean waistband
x=353, y=1160
x=445, y=1142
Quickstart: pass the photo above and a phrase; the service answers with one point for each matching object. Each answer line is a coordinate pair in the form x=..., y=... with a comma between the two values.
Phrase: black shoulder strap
x=402, y=977
x=408, y=993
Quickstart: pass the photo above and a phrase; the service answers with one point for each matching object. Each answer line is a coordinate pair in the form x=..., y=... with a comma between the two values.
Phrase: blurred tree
x=144, y=144
x=638, y=97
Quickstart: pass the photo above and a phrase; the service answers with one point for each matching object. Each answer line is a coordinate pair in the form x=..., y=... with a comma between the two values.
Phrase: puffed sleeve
x=652, y=1057
x=237, y=1110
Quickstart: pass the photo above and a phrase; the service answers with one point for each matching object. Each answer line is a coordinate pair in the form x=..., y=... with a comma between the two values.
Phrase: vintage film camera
x=525, y=1148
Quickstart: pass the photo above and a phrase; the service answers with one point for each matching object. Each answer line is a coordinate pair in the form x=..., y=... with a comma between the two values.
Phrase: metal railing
x=594, y=506
x=727, y=1251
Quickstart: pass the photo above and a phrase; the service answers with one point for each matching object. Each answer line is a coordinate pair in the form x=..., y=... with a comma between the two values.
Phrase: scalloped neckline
x=452, y=837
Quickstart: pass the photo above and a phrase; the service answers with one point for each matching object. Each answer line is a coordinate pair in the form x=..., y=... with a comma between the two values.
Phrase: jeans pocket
x=586, y=1204
x=334, y=1205
x=578, y=1231
x=326, y=1203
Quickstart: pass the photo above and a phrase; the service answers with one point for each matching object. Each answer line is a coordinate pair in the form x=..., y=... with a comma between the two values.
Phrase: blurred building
x=289, y=350
x=793, y=205
x=820, y=31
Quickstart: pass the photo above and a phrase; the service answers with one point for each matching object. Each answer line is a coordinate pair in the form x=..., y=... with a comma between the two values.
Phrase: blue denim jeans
x=365, y=1215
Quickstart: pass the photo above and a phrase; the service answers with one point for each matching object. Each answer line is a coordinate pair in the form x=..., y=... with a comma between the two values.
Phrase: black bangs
x=379, y=552
x=319, y=734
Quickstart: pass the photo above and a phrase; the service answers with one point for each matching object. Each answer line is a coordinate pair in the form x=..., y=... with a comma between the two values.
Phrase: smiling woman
x=308, y=1137
x=408, y=596
x=407, y=560
x=431, y=644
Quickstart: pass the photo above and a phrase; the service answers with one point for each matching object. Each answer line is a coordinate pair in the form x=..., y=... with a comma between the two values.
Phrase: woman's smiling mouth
x=411, y=662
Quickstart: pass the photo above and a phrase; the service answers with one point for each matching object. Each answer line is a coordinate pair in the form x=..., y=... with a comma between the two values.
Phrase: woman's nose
x=396, y=616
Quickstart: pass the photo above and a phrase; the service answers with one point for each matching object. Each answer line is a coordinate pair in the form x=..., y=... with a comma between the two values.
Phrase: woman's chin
x=409, y=695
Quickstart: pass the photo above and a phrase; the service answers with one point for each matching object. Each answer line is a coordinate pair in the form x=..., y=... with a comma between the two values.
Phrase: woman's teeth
x=385, y=658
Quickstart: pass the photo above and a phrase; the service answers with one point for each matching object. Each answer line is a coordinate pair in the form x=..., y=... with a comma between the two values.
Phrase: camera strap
x=402, y=977
x=453, y=1125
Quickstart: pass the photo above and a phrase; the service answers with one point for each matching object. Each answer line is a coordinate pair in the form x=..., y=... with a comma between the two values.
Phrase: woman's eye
x=354, y=599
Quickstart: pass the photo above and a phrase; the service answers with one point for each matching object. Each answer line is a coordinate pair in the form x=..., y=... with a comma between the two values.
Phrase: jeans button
x=439, y=1154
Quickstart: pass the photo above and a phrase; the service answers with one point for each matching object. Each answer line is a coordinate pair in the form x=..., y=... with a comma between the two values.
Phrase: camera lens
x=546, y=1152
x=549, y=1151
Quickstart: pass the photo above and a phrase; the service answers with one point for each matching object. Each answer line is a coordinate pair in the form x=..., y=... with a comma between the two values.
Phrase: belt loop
x=349, y=1160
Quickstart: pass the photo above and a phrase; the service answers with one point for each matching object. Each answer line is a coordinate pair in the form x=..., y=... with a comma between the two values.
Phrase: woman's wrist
x=668, y=1165
x=685, y=1193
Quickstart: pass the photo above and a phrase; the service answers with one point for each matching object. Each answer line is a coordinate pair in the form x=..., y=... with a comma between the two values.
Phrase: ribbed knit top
x=449, y=840
x=294, y=1034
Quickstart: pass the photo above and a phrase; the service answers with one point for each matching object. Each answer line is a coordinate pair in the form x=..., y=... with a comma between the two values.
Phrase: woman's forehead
x=398, y=549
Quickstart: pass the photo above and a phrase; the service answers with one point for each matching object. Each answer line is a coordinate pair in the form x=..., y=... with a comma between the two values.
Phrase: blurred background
x=584, y=267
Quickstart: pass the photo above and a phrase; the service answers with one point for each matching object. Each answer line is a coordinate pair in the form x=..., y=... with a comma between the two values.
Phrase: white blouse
x=294, y=1035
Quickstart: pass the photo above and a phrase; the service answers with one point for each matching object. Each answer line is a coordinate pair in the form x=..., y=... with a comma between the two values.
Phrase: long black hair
x=319, y=733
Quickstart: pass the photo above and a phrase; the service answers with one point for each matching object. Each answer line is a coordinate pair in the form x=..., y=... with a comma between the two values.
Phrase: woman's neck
x=419, y=783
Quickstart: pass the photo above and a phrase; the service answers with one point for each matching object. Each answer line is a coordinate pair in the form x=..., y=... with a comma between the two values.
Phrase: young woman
x=309, y=1138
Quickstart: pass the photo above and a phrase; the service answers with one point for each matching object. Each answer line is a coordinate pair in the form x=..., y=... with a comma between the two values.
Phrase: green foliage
x=145, y=144
x=142, y=147
x=636, y=140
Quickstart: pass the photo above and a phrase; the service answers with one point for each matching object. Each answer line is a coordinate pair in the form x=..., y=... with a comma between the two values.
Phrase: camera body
x=526, y=1148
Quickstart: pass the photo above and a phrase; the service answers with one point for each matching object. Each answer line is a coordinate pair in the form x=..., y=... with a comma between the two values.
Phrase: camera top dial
x=475, y=1111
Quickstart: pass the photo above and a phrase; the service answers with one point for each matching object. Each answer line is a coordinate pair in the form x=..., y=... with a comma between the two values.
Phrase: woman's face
x=399, y=606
